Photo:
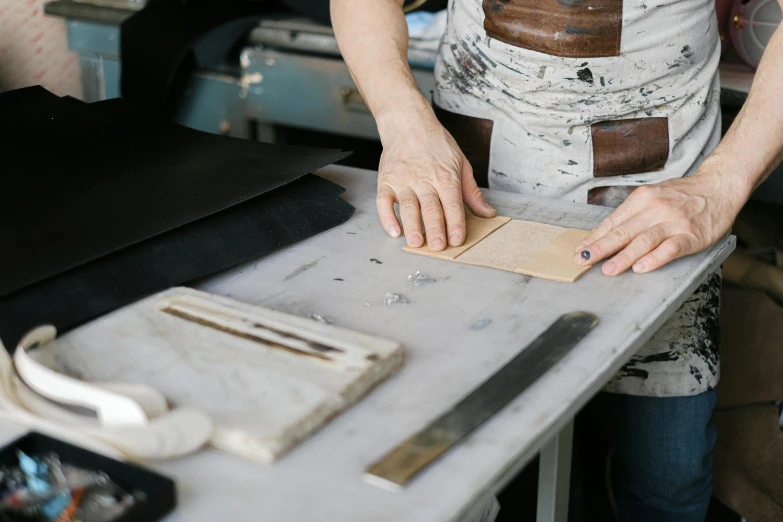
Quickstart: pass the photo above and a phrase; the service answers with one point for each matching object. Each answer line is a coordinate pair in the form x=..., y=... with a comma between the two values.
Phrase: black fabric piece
x=83, y=180
x=241, y=233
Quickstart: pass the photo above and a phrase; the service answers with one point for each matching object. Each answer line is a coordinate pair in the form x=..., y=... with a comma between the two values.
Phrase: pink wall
x=34, y=50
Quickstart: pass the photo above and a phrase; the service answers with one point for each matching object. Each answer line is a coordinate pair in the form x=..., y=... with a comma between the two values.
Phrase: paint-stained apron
x=584, y=100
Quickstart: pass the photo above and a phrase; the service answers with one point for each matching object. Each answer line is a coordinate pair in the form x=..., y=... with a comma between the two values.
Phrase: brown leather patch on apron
x=609, y=196
x=571, y=28
x=629, y=146
x=473, y=135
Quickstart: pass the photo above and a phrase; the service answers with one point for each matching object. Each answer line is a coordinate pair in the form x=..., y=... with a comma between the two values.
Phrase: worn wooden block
x=268, y=379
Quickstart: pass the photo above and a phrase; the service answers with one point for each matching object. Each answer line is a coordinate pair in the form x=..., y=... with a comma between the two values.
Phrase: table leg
x=554, y=475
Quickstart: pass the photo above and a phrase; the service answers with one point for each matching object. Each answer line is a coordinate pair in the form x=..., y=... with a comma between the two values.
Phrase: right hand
x=424, y=171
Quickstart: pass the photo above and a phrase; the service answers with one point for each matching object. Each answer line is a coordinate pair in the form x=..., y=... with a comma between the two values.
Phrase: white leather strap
x=113, y=409
x=172, y=434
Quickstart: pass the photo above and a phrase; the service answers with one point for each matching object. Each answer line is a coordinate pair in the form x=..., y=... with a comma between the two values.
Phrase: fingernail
x=580, y=246
x=582, y=257
x=436, y=242
x=394, y=232
x=454, y=238
x=639, y=267
x=415, y=239
x=610, y=267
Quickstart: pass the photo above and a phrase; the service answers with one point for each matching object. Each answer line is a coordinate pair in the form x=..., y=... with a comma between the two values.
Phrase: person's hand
x=423, y=170
x=662, y=222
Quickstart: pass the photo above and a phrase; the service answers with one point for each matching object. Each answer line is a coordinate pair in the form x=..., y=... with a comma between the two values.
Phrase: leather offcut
x=568, y=28
x=632, y=146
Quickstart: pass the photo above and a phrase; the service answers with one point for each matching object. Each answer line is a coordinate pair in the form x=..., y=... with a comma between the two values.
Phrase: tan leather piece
x=743, y=269
x=477, y=228
x=512, y=244
x=611, y=197
x=525, y=247
x=748, y=474
x=759, y=225
x=570, y=28
x=751, y=347
x=631, y=146
x=556, y=260
x=474, y=136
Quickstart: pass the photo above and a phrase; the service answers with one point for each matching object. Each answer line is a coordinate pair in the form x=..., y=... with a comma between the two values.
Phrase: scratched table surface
x=336, y=274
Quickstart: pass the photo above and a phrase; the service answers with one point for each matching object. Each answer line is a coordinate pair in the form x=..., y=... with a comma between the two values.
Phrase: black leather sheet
x=241, y=233
x=102, y=204
x=111, y=175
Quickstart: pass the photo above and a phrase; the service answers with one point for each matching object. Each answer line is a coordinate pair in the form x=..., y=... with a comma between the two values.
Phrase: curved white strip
x=151, y=400
x=172, y=434
x=178, y=433
x=112, y=408
x=48, y=410
x=11, y=409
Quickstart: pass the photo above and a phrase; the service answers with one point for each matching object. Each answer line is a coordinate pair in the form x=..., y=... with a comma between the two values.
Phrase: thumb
x=471, y=193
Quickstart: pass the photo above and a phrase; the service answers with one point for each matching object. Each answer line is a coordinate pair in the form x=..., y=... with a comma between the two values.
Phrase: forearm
x=753, y=146
x=373, y=40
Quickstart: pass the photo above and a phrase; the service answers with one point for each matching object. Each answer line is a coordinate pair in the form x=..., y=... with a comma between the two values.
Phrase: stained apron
x=584, y=100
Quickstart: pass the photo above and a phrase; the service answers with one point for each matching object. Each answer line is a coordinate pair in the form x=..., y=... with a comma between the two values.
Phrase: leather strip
x=569, y=28
x=113, y=409
x=629, y=146
x=474, y=136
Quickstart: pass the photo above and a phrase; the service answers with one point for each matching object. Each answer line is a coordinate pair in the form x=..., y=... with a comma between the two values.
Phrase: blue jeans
x=662, y=455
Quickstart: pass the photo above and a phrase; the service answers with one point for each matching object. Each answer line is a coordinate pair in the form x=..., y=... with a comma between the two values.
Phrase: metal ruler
x=404, y=462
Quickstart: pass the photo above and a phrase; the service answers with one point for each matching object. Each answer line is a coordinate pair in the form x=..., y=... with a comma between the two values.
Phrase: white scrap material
x=390, y=299
x=321, y=319
x=419, y=279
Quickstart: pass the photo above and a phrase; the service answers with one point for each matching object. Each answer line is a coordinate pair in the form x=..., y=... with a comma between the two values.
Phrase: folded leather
x=104, y=203
x=109, y=175
x=244, y=232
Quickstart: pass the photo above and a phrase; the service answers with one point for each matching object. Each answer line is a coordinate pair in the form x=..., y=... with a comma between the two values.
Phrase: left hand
x=662, y=222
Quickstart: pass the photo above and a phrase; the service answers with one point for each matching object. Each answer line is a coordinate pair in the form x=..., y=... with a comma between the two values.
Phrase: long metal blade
x=404, y=462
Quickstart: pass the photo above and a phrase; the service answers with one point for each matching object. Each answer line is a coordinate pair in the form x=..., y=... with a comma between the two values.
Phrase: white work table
x=321, y=480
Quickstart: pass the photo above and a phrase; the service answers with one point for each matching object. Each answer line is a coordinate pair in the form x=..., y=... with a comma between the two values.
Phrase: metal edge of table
x=697, y=275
